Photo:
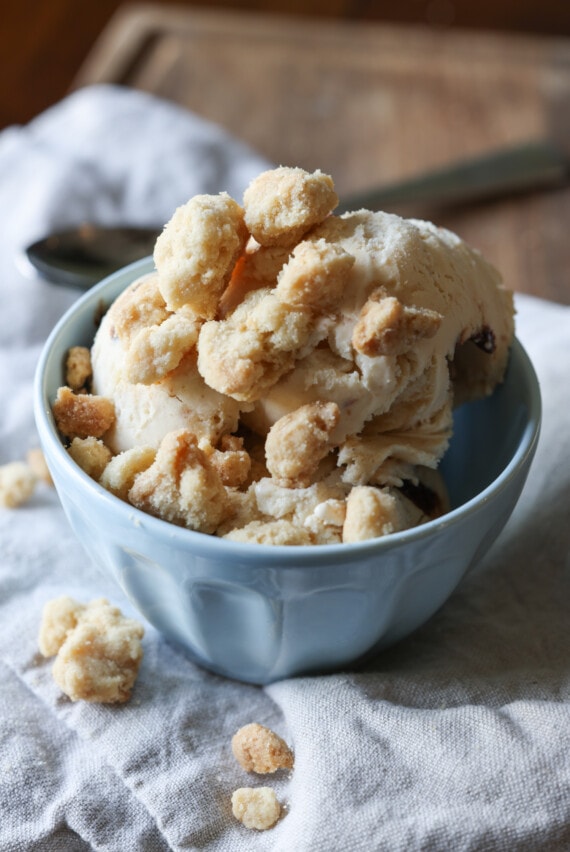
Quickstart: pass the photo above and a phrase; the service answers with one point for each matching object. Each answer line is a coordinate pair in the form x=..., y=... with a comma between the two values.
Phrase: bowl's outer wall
x=260, y=614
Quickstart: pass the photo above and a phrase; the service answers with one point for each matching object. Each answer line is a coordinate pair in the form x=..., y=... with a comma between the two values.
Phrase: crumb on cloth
x=259, y=749
x=36, y=461
x=256, y=807
x=17, y=484
x=97, y=650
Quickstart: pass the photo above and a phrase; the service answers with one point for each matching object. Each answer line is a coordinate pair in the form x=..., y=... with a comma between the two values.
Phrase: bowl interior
x=488, y=432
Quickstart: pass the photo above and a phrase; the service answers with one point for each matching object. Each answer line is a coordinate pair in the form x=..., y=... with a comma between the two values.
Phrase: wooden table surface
x=369, y=104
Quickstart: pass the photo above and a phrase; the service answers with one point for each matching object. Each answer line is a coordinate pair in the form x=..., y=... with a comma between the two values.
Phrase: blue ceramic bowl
x=260, y=613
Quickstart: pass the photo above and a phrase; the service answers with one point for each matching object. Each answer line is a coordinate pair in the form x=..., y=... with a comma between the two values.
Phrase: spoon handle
x=498, y=174
x=80, y=257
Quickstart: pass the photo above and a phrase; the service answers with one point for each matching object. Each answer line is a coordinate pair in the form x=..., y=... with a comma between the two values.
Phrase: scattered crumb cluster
x=18, y=479
x=260, y=750
x=283, y=377
x=98, y=653
x=97, y=650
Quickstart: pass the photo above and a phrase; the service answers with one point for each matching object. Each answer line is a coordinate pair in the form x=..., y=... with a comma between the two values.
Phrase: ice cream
x=287, y=376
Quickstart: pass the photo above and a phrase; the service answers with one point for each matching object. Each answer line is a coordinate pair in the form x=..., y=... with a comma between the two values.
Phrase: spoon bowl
x=82, y=256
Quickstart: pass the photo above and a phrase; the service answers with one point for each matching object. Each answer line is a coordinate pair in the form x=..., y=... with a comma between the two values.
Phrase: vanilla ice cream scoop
x=146, y=412
x=337, y=350
x=423, y=322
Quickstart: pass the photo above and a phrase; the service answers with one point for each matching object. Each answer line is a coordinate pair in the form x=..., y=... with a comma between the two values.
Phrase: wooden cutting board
x=369, y=104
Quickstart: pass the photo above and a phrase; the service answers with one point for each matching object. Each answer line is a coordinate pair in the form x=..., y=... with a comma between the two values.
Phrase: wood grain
x=43, y=42
x=369, y=104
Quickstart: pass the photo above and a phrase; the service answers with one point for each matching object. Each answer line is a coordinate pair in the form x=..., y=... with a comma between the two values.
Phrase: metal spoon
x=81, y=256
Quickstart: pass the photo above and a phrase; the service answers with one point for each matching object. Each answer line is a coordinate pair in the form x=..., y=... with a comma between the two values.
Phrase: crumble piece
x=250, y=349
x=230, y=460
x=271, y=532
x=98, y=651
x=17, y=484
x=36, y=461
x=256, y=807
x=372, y=512
x=156, y=350
x=297, y=443
x=82, y=415
x=282, y=204
x=258, y=267
x=78, y=368
x=259, y=749
x=91, y=455
x=59, y=617
x=387, y=327
x=197, y=250
x=315, y=276
x=181, y=485
x=245, y=354
x=119, y=474
x=138, y=307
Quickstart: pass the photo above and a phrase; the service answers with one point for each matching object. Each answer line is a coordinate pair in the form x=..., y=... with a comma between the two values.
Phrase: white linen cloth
x=456, y=739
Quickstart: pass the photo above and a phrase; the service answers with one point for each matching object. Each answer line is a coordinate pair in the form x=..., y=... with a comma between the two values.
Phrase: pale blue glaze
x=258, y=613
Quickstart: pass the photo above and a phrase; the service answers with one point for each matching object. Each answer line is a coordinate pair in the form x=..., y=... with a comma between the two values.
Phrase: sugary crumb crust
x=259, y=749
x=82, y=415
x=306, y=365
x=97, y=650
x=78, y=368
x=256, y=807
x=36, y=461
x=282, y=204
x=17, y=484
x=19, y=479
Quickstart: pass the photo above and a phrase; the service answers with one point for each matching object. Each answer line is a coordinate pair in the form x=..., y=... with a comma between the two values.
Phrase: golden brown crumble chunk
x=282, y=204
x=298, y=441
x=137, y=307
x=17, y=484
x=197, y=250
x=315, y=276
x=37, y=463
x=256, y=808
x=387, y=327
x=372, y=512
x=98, y=651
x=181, y=485
x=82, y=415
x=91, y=455
x=78, y=367
x=119, y=474
x=259, y=749
x=158, y=349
